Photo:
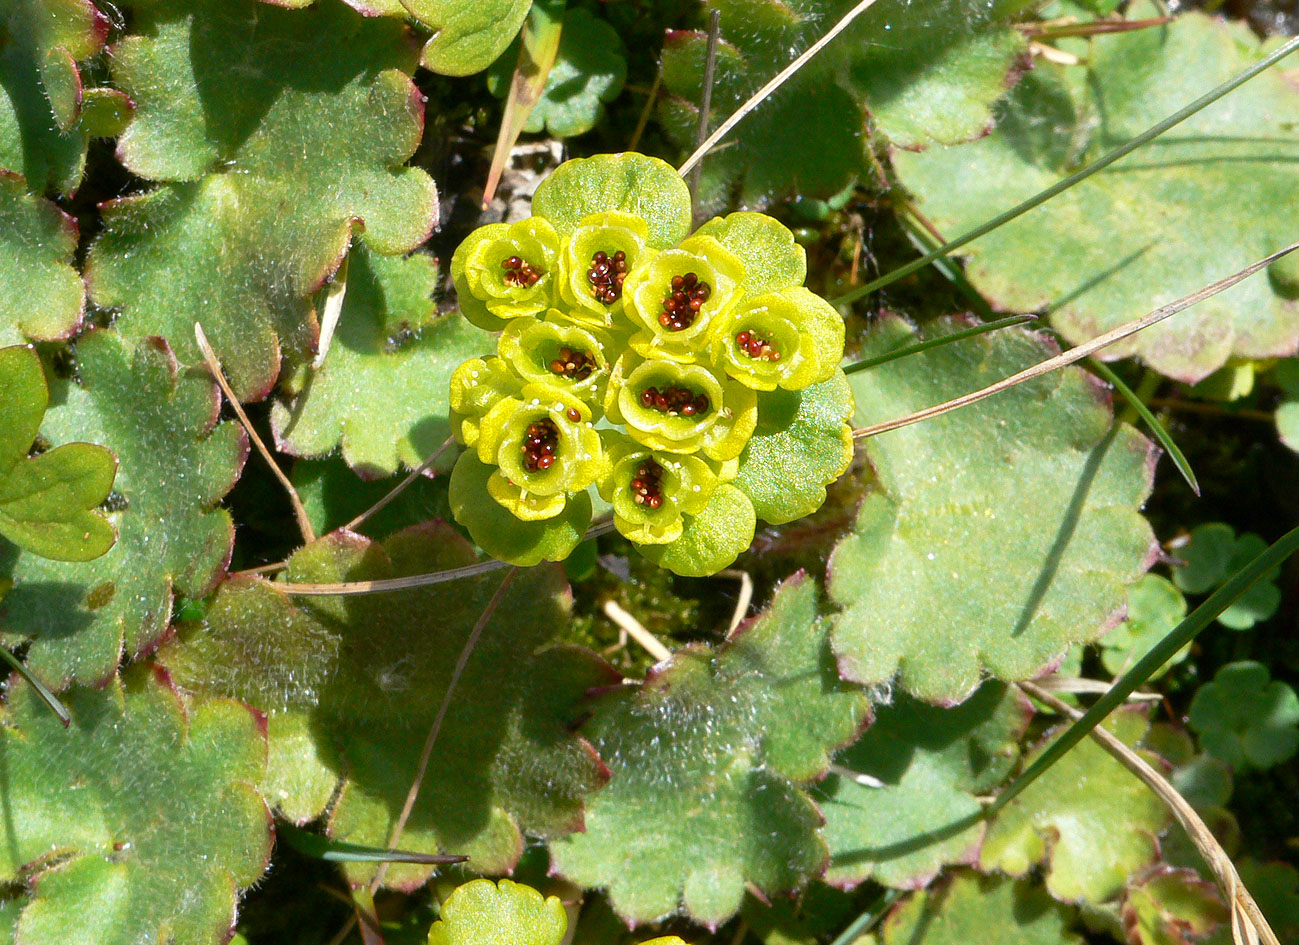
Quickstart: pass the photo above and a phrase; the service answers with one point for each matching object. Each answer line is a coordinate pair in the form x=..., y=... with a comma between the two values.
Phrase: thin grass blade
x=1008, y=322
x=1158, y=429
x=49, y=698
x=322, y=848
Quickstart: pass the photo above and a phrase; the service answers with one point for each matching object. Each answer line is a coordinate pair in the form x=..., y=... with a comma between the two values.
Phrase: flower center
x=540, y=441
x=606, y=276
x=520, y=273
x=574, y=365
x=682, y=306
x=674, y=400
x=646, y=486
x=757, y=347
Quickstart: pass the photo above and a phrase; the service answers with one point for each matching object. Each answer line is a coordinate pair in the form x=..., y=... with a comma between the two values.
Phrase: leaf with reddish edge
x=709, y=761
x=138, y=823
x=967, y=907
x=351, y=687
x=42, y=297
x=176, y=462
x=1168, y=906
x=995, y=537
x=1190, y=214
x=41, y=90
x=271, y=167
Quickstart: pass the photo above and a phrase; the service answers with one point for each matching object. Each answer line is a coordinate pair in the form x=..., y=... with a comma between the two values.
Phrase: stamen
x=646, y=486
x=574, y=365
x=606, y=276
x=540, y=441
x=682, y=305
x=520, y=273
x=674, y=400
x=757, y=347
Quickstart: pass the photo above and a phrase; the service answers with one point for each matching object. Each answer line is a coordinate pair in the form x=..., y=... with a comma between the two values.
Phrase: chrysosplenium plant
x=690, y=378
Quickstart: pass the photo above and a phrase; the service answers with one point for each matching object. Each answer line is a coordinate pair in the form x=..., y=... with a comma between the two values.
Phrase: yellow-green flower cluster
x=625, y=363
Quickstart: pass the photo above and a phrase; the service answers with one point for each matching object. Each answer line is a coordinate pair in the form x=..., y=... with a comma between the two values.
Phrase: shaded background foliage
x=166, y=162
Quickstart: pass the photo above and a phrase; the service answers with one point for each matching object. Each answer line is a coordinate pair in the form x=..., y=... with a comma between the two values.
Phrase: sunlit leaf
x=996, y=536
x=707, y=761
x=175, y=465
x=140, y=822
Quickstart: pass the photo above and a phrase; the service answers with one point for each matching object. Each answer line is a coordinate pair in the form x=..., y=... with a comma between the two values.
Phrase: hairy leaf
x=707, y=759
x=351, y=686
x=973, y=908
x=41, y=294
x=1087, y=817
x=482, y=912
x=996, y=536
x=919, y=72
x=1196, y=204
x=140, y=822
x=271, y=156
x=175, y=464
x=40, y=88
x=1245, y=718
x=933, y=763
x=384, y=401
x=589, y=70
x=47, y=502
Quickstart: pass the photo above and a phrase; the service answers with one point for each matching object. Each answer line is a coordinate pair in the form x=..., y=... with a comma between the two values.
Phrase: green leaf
x=351, y=686
x=47, y=502
x=802, y=443
x=1192, y=198
x=139, y=822
x=933, y=763
x=1213, y=554
x=589, y=70
x=40, y=88
x=772, y=259
x=1089, y=819
x=504, y=536
x=504, y=913
x=707, y=761
x=1170, y=907
x=711, y=540
x=41, y=294
x=630, y=183
x=1155, y=607
x=467, y=37
x=175, y=465
x=924, y=73
x=383, y=402
x=1245, y=718
x=994, y=537
x=271, y=164
x=968, y=907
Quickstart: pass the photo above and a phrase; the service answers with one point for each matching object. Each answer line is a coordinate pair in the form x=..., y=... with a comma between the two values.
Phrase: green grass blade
x=49, y=698
x=936, y=342
x=867, y=920
x=322, y=848
x=1182, y=634
x=1060, y=187
x=1161, y=433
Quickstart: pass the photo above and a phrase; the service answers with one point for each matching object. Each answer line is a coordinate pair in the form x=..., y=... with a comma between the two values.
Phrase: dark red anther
x=682, y=304
x=573, y=414
x=757, y=347
x=646, y=486
x=606, y=276
x=573, y=365
x=520, y=273
x=540, y=440
x=674, y=400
